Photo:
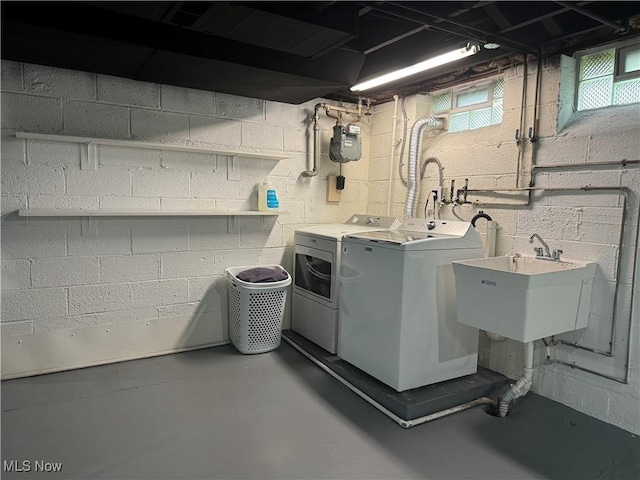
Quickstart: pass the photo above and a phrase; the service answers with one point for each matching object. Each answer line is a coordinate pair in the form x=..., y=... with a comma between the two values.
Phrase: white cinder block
x=159, y=126
x=214, y=130
x=93, y=119
x=236, y=258
x=99, y=298
x=612, y=147
x=127, y=316
x=66, y=202
x=160, y=183
x=59, y=82
x=298, y=140
x=248, y=204
x=550, y=222
x=64, y=271
x=33, y=241
x=111, y=239
x=34, y=179
x=11, y=76
x=42, y=152
x=67, y=322
x=16, y=274
x=160, y=236
x=260, y=135
x=33, y=304
x=186, y=264
x=104, y=181
x=241, y=108
x=129, y=268
x=187, y=100
x=213, y=185
x=173, y=204
x=261, y=237
x=117, y=203
x=18, y=109
x=128, y=157
x=157, y=293
x=124, y=91
x=16, y=328
x=193, y=162
x=200, y=287
x=292, y=116
x=185, y=310
x=212, y=235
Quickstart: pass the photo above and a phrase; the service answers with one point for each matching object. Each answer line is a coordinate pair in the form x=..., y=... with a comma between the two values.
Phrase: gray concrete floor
x=216, y=414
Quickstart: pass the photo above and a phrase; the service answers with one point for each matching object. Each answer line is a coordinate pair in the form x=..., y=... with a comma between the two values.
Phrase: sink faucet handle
x=556, y=253
x=538, y=251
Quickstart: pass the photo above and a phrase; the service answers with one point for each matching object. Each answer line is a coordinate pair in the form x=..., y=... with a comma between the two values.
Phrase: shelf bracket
x=232, y=224
x=233, y=171
x=89, y=156
x=89, y=227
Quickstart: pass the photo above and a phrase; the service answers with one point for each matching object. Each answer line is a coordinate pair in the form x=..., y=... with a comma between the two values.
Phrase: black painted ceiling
x=297, y=51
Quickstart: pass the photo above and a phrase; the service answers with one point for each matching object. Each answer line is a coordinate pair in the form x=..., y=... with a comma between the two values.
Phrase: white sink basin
x=523, y=298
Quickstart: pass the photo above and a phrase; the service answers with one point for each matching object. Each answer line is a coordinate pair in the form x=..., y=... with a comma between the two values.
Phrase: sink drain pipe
x=522, y=386
x=400, y=421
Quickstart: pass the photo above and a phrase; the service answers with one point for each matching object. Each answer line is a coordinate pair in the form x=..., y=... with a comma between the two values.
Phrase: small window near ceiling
x=471, y=107
x=609, y=77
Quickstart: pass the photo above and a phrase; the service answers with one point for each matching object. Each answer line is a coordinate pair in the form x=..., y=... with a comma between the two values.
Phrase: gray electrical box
x=345, y=143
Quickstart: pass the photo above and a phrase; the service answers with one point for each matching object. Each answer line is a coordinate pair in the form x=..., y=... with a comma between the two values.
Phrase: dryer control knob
x=370, y=220
x=431, y=225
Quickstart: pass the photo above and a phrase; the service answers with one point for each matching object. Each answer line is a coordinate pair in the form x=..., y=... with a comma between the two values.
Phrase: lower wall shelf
x=51, y=212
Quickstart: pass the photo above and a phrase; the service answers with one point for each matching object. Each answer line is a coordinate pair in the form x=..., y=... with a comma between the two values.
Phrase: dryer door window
x=314, y=271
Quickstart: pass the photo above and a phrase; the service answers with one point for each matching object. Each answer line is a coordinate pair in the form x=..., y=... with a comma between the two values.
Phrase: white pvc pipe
x=393, y=150
x=490, y=240
x=522, y=386
x=415, y=144
x=403, y=423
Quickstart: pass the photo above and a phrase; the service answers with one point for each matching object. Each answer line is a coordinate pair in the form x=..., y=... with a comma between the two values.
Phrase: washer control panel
x=384, y=223
x=442, y=227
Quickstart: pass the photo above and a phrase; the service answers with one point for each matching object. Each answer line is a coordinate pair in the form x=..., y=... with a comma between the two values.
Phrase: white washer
x=316, y=285
x=397, y=304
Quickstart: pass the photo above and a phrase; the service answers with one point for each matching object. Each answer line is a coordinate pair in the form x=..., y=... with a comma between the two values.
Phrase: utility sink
x=523, y=298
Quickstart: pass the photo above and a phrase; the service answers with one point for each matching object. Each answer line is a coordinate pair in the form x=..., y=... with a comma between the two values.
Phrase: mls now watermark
x=30, y=466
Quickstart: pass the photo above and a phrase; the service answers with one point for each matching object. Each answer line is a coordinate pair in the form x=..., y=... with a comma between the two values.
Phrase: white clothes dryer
x=316, y=280
x=397, y=305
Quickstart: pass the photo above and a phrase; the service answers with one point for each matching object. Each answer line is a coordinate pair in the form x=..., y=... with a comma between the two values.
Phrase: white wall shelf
x=90, y=154
x=51, y=212
x=90, y=217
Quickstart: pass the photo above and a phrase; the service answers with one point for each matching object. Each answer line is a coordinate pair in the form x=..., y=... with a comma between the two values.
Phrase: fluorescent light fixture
x=452, y=56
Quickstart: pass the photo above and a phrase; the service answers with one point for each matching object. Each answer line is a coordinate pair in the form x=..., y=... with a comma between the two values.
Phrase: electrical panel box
x=345, y=143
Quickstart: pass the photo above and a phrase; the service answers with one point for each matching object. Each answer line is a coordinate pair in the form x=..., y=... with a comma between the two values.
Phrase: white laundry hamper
x=256, y=311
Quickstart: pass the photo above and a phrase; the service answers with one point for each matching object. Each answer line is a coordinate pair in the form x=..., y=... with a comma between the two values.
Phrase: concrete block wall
x=586, y=225
x=143, y=285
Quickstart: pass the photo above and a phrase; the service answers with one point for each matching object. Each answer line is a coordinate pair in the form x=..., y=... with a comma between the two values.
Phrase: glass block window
x=442, y=102
x=609, y=77
x=472, y=107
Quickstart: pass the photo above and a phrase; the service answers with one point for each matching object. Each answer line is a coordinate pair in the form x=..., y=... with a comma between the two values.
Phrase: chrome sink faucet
x=543, y=252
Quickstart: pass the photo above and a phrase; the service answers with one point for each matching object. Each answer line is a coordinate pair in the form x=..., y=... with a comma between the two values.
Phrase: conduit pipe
x=400, y=421
x=415, y=146
x=312, y=170
x=522, y=386
x=393, y=150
